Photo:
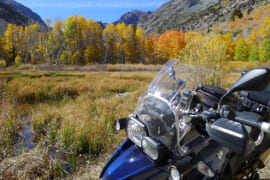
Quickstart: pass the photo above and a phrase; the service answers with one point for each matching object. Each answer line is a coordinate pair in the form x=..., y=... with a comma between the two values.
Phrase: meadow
x=63, y=119
x=57, y=124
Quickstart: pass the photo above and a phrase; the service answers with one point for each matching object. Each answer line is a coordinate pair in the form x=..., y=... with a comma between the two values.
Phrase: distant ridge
x=132, y=17
x=16, y=13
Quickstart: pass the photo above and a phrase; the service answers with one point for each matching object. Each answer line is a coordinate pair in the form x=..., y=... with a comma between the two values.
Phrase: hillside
x=132, y=16
x=174, y=13
x=188, y=14
x=10, y=15
x=16, y=13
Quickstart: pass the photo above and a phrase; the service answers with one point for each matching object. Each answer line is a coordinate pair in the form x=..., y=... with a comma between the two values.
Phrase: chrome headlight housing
x=136, y=131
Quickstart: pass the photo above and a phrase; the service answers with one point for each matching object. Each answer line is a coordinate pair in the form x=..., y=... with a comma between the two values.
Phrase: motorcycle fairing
x=128, y=162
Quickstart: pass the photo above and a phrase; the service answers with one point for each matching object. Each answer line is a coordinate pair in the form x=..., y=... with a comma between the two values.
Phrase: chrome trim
x=260, y=139
x=265, y=127
x=137, y=121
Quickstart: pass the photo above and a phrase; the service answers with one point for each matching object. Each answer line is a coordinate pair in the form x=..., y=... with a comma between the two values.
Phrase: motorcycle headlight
x=150, y=147
x=155, y=150
x=136, y=131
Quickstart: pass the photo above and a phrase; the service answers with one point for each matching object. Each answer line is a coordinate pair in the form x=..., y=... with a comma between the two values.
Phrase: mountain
x=187, y=15
x=132, y=17
x=16, y=13
x=174, y=13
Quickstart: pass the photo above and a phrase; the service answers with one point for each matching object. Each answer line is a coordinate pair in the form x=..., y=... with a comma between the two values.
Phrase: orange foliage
x=170, y=43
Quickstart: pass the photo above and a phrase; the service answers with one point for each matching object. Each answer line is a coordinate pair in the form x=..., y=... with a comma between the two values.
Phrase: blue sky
x=98, y=10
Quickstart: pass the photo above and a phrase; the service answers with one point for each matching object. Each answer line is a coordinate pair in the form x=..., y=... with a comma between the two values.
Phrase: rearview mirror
x=256, y=80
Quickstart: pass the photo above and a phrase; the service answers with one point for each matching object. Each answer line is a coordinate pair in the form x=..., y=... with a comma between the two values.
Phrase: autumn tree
x=254, y=54
x=11, y=36
x=121, y=42
x=252, y=39
x=94, y=50
x=56, y=42
x=230, y=45
x=241, y=50
x=3, y=50
x=151, y=49
x=264, y=51
x=140, y=46
x=170, y=43
x=209, y=53
x=33, y=42
x=109, y=38
x=131, y=44
x=265, y=31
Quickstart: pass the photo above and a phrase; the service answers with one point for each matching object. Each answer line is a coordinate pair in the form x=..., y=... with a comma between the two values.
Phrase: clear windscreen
x=156, y=108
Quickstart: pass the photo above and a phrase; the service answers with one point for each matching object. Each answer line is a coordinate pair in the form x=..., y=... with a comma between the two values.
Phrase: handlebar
x=263, y=126
x=246, y=118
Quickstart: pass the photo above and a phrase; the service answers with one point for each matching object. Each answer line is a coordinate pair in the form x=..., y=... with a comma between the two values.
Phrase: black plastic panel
x=230, y=134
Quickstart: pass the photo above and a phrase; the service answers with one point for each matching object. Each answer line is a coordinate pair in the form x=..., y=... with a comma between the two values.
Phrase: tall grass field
x=52, y=124
x=60, y=124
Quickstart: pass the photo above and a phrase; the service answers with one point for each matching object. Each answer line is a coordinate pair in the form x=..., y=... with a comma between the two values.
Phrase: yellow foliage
x=18, y=60
x=206, y=52
x=230, y=45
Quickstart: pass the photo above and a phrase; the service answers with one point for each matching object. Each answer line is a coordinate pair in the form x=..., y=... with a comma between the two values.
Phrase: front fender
x=128, y=162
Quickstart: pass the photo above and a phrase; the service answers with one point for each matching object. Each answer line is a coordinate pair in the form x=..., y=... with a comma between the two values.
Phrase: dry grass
x=75, y=113
x=72, y=113
x=86, y=68
x=239, y=66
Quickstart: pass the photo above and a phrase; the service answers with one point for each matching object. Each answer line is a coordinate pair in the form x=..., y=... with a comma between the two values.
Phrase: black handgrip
x=252, y=119
x=248, y=122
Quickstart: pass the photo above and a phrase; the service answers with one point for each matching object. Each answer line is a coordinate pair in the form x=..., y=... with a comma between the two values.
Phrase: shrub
x=236, y=31
x=64, y=57
x=236, y=14
x=3, y=63
x=18, y=60
x=250, y=10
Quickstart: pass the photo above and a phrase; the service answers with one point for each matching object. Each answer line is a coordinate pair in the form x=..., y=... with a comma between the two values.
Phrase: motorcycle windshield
x=157, y=108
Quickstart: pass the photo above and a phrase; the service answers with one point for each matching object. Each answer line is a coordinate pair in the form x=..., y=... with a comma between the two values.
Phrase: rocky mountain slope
x=16, y=13
x=191, y=14
x=132, y=16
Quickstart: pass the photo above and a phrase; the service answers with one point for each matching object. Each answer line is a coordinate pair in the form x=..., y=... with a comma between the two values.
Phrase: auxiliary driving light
x=174, y=173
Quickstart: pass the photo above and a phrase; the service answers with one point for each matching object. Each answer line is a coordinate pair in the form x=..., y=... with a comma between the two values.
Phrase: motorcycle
x=184, y=129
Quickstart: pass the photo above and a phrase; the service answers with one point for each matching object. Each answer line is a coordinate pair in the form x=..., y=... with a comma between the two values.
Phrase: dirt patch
x=265, y=172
